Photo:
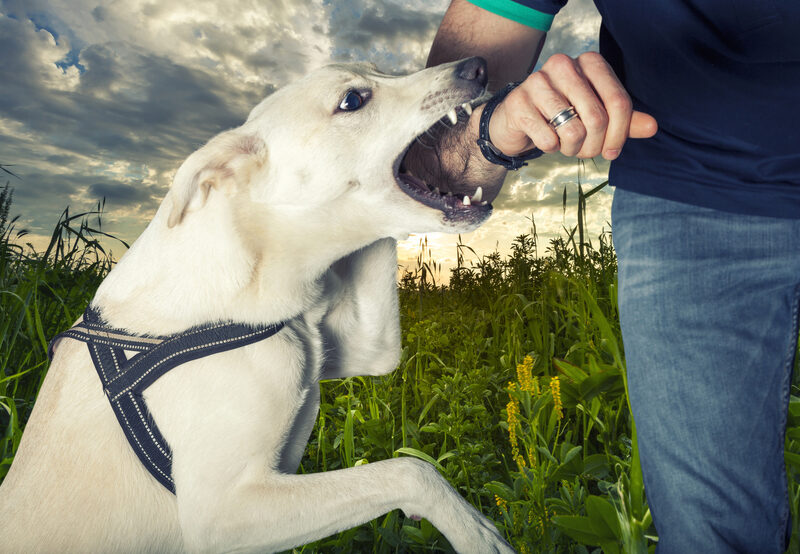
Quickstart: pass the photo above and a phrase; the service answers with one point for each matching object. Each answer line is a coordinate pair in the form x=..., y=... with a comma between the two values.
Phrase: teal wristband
x=517, y=12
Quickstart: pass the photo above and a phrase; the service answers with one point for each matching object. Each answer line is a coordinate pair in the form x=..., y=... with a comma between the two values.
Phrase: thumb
x=642, y=125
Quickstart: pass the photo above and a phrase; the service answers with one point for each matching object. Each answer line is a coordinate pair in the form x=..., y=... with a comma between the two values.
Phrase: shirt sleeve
x=538, y=14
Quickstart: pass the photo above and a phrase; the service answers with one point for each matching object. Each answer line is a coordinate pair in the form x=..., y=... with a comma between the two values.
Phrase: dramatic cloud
x=104, y=99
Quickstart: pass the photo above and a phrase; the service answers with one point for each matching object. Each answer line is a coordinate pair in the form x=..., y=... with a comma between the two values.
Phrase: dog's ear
x=227, y=159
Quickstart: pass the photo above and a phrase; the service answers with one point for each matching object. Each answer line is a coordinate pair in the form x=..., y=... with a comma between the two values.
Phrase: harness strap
x=124, y=380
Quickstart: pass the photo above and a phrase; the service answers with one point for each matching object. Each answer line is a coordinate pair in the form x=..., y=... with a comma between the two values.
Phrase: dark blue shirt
x=722, y=77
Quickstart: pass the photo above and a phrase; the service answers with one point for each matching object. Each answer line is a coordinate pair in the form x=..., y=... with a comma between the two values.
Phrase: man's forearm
x=509, y=48
x=453, y=160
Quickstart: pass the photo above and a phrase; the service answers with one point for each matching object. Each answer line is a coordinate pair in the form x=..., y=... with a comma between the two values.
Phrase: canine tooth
x=466, y=201
x=451, y=115
x=484, y=203
x=478, y=195
x=467, y=108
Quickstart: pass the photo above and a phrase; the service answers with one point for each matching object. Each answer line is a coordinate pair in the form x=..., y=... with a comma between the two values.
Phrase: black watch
x=489, y=150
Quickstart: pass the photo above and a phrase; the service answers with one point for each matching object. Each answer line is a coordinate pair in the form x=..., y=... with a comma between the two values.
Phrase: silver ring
x=563, y=117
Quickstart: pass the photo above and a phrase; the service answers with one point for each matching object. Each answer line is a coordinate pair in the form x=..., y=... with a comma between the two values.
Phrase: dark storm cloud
x=82, y=120
x=63, y=160
x=51, y=193
x=123, y=194
x=127, y=105
x=136, y=106
x=393, y=35
x=389, y=22
x=99, y=14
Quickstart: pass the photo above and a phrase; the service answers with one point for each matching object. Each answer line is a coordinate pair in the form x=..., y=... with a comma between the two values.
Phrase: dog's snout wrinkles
x=473, y=69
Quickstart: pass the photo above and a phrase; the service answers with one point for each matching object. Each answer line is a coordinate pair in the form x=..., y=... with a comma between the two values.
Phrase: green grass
x=474, y=394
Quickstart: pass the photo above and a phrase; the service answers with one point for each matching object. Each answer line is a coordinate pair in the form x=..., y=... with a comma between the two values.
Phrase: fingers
x=643, y=125
x=605, y=119
x=522, y=118
x=616, y=104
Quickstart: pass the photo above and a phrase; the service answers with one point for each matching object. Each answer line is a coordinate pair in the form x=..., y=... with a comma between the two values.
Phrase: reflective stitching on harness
x=193, y=348
x=116, y=362
x=86, y=337
x=124, y=380
x=185, y=335
x=130, y=434
x=167, y=454
x=93, y=328
x=102, y=369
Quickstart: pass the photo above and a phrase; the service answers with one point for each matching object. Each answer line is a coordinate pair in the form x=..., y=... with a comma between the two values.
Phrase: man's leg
x=709, y=313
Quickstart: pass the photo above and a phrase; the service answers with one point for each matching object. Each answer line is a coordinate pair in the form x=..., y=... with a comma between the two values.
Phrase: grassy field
x=511, y=382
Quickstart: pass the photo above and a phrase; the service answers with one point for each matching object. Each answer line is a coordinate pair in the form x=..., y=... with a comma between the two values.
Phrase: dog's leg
x=362, y=329
x=278, y=511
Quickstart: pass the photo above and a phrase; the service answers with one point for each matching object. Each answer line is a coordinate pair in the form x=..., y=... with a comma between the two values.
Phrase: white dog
x=287, y=220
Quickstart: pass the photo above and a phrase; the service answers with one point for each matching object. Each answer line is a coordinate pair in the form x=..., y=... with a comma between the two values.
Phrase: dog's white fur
x=286, y=218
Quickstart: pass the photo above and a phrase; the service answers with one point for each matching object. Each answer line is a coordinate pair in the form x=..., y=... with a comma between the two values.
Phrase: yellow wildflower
x=555, y=389
x=501, y=502
x=512, y=416
x=524, y=374
x=531, y=458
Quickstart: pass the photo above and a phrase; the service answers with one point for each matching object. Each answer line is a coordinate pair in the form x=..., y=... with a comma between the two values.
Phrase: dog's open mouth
x=465, y=205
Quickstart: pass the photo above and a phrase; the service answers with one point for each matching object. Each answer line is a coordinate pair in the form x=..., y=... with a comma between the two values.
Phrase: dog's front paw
x=478, y=535
x=466, y=528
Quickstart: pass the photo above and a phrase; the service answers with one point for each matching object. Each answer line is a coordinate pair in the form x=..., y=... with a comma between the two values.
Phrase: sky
x=106, y=98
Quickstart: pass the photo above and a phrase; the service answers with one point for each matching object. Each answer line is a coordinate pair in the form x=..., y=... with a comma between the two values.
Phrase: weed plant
x=41, y=294
x=511, y=382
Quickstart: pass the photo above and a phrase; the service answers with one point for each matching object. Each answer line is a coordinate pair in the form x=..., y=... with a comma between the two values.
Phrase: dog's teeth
x=467, y=108
x=466, y=201
x=451, y=115
x=478, y=195
x=484, y=203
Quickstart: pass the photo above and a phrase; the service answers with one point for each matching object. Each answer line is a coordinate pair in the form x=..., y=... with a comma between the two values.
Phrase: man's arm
x=510, y=49
x=520, y=122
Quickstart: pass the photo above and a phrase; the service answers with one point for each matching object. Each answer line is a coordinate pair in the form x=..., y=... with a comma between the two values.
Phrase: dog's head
x=332, y=143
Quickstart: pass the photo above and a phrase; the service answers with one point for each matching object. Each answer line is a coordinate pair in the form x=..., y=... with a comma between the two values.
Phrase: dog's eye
x=351, y=101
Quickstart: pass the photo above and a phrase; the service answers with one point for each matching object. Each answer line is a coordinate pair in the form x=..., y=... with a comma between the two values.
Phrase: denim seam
x=785, y=396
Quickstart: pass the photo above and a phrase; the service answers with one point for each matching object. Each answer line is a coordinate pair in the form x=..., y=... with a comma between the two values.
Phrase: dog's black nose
x=473, y=69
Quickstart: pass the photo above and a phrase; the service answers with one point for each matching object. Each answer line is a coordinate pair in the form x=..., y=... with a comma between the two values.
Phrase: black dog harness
x=124, y=380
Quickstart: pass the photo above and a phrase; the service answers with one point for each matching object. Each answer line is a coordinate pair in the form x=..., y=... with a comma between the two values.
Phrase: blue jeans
x=709, y=312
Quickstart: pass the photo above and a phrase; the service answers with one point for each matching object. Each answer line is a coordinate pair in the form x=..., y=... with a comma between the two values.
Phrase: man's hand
x=605, y=116
x=606, y=119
